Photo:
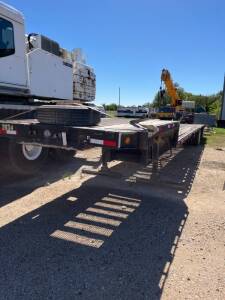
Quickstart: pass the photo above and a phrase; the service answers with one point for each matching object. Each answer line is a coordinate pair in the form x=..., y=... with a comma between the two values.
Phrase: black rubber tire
x=20, y=164
x=4, y=147
x=62, y=155
x=68, y=115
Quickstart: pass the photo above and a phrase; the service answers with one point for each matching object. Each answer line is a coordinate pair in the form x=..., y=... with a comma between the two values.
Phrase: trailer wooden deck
x=188, y=130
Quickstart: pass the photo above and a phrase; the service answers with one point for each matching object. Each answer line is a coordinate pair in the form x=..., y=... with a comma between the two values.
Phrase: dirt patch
x=197, y=271
x=214, y=165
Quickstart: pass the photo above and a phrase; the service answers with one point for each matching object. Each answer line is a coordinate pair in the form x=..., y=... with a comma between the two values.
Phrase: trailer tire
x=24, y=160
x=4, y=147
x=62, y=155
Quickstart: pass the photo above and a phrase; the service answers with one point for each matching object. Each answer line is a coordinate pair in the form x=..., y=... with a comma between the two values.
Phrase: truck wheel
x=3, y=147
x=62, y=155
x=25, y=158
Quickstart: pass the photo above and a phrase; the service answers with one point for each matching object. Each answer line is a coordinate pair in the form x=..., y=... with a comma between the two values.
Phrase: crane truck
x=173, y=111
x=35, y=70
x=34, y=67
x=40, y=83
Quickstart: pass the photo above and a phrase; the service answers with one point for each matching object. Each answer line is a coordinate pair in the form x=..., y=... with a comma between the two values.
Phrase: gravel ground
x=198, y=268
x=141, y=235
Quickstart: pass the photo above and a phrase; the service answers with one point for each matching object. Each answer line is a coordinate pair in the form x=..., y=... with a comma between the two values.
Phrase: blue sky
x=128, y=42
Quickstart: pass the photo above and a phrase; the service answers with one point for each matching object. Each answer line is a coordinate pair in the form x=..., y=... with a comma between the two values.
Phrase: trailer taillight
x=109, y=143
x=127, y=140
x=2, y=131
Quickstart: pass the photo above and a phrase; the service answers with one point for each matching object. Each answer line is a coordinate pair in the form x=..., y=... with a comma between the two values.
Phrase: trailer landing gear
x=103, y=169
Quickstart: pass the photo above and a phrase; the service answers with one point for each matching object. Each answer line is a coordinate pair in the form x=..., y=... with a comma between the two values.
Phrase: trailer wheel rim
x=31, y=152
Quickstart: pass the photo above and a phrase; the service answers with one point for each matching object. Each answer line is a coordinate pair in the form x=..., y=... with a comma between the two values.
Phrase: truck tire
x=68, y=115
x=4, y=147
x=62, y=155
x=26, y=159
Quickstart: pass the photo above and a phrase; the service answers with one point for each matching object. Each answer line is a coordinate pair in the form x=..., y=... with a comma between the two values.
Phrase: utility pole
x=119, y=96
x=222, y=112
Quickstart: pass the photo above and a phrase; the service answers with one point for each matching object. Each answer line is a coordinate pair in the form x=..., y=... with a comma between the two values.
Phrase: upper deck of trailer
x=187, y=130
x=106, y=124
x=122, y=125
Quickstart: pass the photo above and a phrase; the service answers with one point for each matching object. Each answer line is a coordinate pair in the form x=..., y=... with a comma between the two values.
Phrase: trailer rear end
x=132, y=141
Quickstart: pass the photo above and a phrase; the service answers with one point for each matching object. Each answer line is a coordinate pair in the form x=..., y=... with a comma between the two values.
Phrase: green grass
x=111, y=113
x=216, y=138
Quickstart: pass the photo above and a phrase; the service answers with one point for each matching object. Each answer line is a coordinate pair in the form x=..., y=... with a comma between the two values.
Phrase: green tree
x=110, y=107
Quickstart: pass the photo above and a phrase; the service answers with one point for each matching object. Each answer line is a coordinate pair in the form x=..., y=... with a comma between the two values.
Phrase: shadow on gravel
x=108, y=239
x=14, y=186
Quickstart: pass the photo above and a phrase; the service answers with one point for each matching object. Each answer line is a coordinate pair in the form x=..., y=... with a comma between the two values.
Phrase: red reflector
x=2, y=131
x=109, y=143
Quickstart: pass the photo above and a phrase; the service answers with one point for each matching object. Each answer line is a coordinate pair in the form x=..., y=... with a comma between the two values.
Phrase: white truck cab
x=13, y=64
x=35, y=70
x=37, y=67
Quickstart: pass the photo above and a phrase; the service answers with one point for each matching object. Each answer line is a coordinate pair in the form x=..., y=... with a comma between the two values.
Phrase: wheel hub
x=31, y=152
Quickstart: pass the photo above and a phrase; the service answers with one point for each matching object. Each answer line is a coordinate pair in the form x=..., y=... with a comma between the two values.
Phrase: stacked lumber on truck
x=84, y=79
x=84, y=82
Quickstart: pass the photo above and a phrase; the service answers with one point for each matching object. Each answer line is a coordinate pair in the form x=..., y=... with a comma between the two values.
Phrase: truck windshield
x=6, y=38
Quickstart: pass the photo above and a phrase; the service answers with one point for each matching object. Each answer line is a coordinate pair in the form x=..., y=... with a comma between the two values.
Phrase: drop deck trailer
x=126, y=141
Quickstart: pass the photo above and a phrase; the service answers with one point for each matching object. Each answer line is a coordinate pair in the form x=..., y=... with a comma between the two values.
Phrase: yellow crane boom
x=171, y=90
x=174, y=110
